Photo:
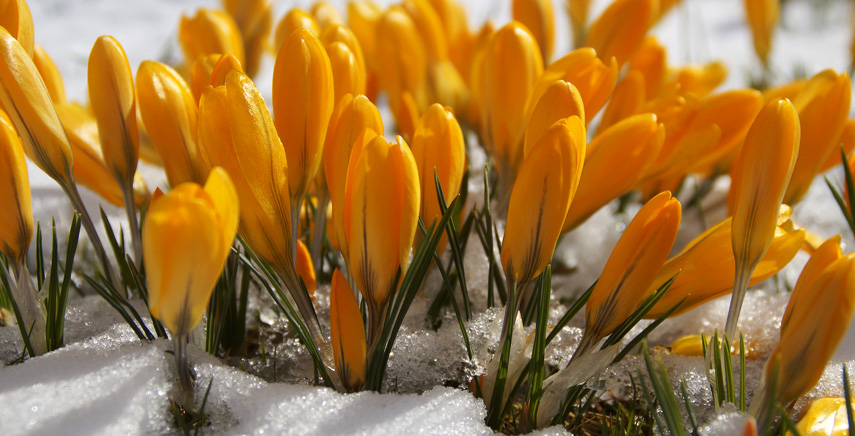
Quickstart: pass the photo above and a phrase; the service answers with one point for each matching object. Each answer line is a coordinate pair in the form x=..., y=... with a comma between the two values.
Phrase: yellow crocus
x=513, y=65
x=401, y=58
x=594, y=79
x=847, y=139
x=812, y=333
x=631, y=268
x=305, y=269
x=438, y=148
x=789, y=90
x=578, y=12
x=353, y=116
x=452, y=16
x=89, y=168
x=209, y=31
x=429, y=28
x=16, y=222
x=343, y=34
x=561, y=100
x=382, y=209
x=621, y=28
x=326, y=14
x=347, y=332
x=15, y=17
x=612, y=168
x=823, y=107
x=254, y=18
x=706, y=268
x=348, y=78
x=169, y=111
x=29, y=106
x=295, y=19
x=544, y=189
x=828, y=415
x=626, y=101
x=826, y=254
x=651, y=60
x=363, y=16
x=302, y=105
x=475, y=79
x=700, y=80
x=762, y=17
x=761, y=177
x=200, y=75
x=538, y=17
x=733, y=112
x=113, y=101
x=50, y=75
x=224, y=65
x=187, y=237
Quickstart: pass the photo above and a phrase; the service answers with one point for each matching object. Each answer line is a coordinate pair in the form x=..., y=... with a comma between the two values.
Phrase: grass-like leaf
x=847, y=393
x=536, y=372
x=571, y=312
x=690, y=411
x=664, y=392
x=494, y=412
x=454, y=243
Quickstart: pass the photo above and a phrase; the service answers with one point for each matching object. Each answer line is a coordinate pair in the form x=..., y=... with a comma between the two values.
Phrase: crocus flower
x=513, y=65
x=615, y=160
x=475, y=79
x=295, y=19
x=561, y=100
x=651, y=60
x=348, y=334
x=113, y=100
x=225, y=64
x=302, y=105
x=28, y=104
x=823, y=107
x=452, y=17
x=621, y=28
x=305, y=269
x=826, y=254
x=706, y=267
x=626, y=101
x=352, y=117
x=326, y=14
x=50, y=75
x=254, y=18
x=594, y=78
x=762, y=174
x=537, y=16
x=543, y=191
x=811, y=335
x=700, y=80
x=578, y=12
x=381, y=213
x=169, y=111
x=363, y=16
x=631, y=268
x=847, y=139
x=732, y=112
x=200, y=75
x=437, y=148
x=209, y=31
x=348, y=77
x=15, y=17
x=762, y=18
x=187, y=236
x=401, y=59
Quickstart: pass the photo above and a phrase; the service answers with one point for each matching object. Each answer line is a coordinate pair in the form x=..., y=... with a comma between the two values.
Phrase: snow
x=105, y=381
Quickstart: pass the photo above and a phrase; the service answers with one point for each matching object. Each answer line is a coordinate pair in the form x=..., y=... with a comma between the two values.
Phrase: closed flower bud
x=50, y=75
x=823, y=107
x=348, y=78
x=112, y=96
x=347, y=332
x=631, y=268
x=701, y=80
x=761, y=178
x=302, y=105
x=352, y=117
x=611, y=168
x=429, y=28
x=209, y=31
x=706, y=268
x=382, y=206
x=621, y=28
x=626, y=100
x=169, y=113
x=561, y=100
x=826, y=254
x=254, y=18
x=537, y=16
x=29, y=106
x=200, y=75
x=578, y=12
x=401, y=58
x=543, y=191
x=326, y=14
x=438, y=148
x=651, y=60
x=187, y=237
x=512, y=67
x=733, y=112
x=294, y=20
x=812, y=334
x=363, y=16
x=16, y=221
x=594, y=79
x=847, y=139
x=343, y=34
x=762, y=18
x=225, y=64
x=15, y=17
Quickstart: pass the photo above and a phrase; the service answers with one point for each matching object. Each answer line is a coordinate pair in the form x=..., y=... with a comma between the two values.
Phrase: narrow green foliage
x=139, y=281
x=638, y=314
x=40, y=258
x=635, y=341
x=536, y=371
x=454, y=243
x=788, y=427
x=742, y=399
x=664, y=392
x=448, y=285
x=494, y=414
x=848, y=210
x=690, y=411
x=57, y=292
x=847, y=393
x=227, y=310
x=571, y=312
x=7, y=289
